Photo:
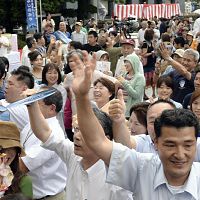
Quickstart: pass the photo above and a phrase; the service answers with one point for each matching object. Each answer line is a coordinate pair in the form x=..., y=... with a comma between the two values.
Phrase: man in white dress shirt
x=169, y=175
x=47, y=170
x=86, y=172
x=79, y=35
x=19, y=81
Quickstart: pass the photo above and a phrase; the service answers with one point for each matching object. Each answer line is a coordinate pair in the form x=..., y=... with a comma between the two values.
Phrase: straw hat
x=10, y=136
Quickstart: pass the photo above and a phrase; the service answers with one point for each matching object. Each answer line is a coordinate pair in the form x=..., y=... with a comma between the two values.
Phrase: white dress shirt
x=144, y=144
x=47, y=170
x=84, y=184
x=18, y=114
x=79, y=37
x=143, y=174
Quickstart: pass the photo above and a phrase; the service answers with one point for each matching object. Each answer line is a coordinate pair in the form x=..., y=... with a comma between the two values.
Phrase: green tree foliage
x=52, y=6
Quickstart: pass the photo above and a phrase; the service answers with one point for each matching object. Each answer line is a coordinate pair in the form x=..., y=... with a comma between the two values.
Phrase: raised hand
x=83, y=71
x=163, y=51
x=117, y=108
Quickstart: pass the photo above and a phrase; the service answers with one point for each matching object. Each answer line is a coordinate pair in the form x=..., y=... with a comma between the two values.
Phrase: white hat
x=179, y=52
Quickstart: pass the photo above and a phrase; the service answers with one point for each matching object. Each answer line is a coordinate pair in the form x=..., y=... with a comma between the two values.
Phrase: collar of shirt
x=189, y=187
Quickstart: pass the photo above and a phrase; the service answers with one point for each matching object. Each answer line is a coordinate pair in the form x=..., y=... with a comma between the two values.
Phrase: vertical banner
x=31, y=16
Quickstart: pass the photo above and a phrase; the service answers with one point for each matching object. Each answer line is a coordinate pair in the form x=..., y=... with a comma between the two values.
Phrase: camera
x=128, y=25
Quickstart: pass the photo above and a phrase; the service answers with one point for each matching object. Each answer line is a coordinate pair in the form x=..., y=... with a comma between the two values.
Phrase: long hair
x=18, y=175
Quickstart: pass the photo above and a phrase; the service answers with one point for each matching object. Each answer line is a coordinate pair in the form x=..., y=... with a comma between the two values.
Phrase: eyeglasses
x=75, y=129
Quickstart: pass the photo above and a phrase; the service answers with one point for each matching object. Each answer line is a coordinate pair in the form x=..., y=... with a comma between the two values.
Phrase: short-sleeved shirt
x=182, y=86
x=90, y=48
x=143, y=174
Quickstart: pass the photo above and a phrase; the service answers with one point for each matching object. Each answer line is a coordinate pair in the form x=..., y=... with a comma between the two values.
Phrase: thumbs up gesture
x=117, y=108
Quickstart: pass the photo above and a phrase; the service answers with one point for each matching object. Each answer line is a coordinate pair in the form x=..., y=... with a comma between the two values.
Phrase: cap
x=128, y=41
x=10, y=136
x=190, y=33
x=78, y=23
x=179, y=52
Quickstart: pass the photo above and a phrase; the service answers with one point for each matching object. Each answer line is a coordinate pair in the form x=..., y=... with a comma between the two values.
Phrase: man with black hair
x=48, y=172
x=179, y=42
x=92, y=45
x=169, y=175
x=86, y=172
x=19, y=81
x=31, y=45
x=40, y=44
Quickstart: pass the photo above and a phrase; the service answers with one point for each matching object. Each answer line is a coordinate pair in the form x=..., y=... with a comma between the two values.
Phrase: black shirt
x=182, y=86
x=90, y=48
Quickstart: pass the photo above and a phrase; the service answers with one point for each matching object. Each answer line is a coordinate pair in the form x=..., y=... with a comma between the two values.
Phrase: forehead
x=128, y=46
x=156, y=110
x=13, y=78
x=197, y=75
x=179, y=135
x=90, y=35
x=51, y=70
x=188, y=56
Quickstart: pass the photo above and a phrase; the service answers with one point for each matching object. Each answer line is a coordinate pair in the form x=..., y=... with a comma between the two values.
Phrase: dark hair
x=195, y=95
x=2, y=69
x=178, y=118
x=161, y=101
x=55, y=99
x=76, y=45
x=140, y=110
x=6, y=62
x=24, y=76
x=165, y=37
x=148, y=35
x=197, y=71
x=17, y=196
x=108, y=84
x=33, y=55
x=102, y=29
x=105, y=122
x=113, y=33
x=48, y=13
x=180, y=40
x=94, y=33
x=30, y=41
x=48, y=67
x=37, y=36
x=25, y=68
x=15, y=185
x=167, y=80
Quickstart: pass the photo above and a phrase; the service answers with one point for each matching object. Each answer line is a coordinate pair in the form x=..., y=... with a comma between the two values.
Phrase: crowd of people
x=102, y=134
